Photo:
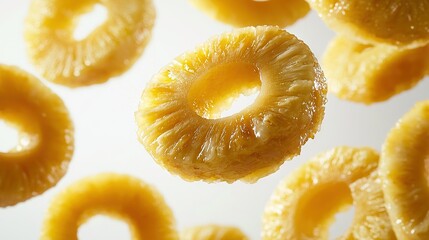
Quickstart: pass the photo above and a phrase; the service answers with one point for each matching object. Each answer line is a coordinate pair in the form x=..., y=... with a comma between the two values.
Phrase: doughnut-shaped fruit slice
x=212, y=232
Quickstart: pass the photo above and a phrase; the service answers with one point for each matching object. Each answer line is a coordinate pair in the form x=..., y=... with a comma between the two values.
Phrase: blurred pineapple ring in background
x=396, y=22
x=115, y=195
x=46, y=137
x=108, y=51
x=243, y=13
x=178, y=116
x=305, y=203
x=405, y=172
x=372, y=73
x=213, y=232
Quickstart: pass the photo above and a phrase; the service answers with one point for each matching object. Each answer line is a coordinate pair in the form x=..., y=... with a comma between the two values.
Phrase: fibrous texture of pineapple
x=395, y=22
x=213, y=232
x=178, y=116
x=242, y=13
x=46, y=143
x=115, y=195
x=404, y=171
x=304, y=204
x=372, y=73
x=108, y=51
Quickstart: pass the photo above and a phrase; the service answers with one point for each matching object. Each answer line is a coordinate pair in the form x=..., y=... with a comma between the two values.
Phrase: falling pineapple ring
x=115, y=195
x=213, y=232
x=46, y=142
x=178, y=115
x=108, y=51
x=304, y=204
x=243, y=13
x=404, y=171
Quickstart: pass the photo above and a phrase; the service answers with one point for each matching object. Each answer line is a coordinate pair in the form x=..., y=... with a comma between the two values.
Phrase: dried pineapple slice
x=397, y=22
x=243, y=13
x=108, y=51
x=213, y=232
x=368, y=73
x=404, y=171
x=116, y=195
x=46, y=139
x=304, y=204
x=177, y=117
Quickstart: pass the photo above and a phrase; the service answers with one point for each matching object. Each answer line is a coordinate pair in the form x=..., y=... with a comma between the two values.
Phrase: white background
x=106, y=132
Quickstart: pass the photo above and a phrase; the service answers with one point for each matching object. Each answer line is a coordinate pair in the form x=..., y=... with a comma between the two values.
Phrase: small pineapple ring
x=404, y=171
x=242, y=13
x=305, y=203
x=247, y=145
x=39, y=163
x=115, y=195
x=108, y=51
x=213, y=232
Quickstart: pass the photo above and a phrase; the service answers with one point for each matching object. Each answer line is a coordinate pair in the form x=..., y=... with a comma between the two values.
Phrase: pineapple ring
x=369, y=74
x=242, y=13
x=116, y=195
x=304, y=204
x=213, y=232
x=108, y=51
x=404, y=171
x=176, y=107
x=46, y=147
x=397, y=22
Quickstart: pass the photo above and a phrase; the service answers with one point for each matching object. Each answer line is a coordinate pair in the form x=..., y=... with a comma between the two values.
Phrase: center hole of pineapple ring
x=9, y=137
x=318, y=208
x=89, y=21
x=343, y=220
x=101, y=227
x=225, y=90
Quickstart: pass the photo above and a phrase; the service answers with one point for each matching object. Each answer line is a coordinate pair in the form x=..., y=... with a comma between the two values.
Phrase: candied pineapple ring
x=46, y=137
x=108, y=51
x=404, y=171
x=213, y=232
x=396, y=22
x=177, y=117
x=119, y=196
x=304, y=204
x=242, y=13
x=369, y=74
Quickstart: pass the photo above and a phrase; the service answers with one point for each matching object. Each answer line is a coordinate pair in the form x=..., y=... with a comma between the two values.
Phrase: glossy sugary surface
x=43, y=121
x=372, y=73
x=176, y=125
x=108, y=51
x=404, y=171
x=242, y=13
x=115, y=195
x=213, y=232
x=305, y=203
x=397, y=22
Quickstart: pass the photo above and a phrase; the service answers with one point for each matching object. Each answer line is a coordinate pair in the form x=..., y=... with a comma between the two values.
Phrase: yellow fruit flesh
x=43, y=120
x=114, y=195
x=247, y=145
x=403, y=170
x=369, y=74
x=304, y=204
x=212, y=232
x=108, y=51
x=397, y=22
x=242, y=13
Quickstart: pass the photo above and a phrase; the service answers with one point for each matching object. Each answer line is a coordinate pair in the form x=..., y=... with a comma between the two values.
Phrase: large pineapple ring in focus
x=46, y=142
x=304, y=204
x=177, y=117
x=108, y=51
x=396, y=22
x=372, y=73
x=115, y=195
x=213, y=232
x=404, y=171
x=243, y=13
